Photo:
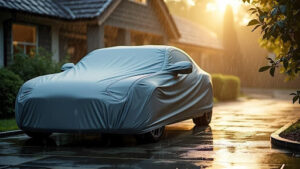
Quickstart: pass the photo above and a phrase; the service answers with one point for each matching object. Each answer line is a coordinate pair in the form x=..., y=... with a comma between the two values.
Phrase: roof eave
x=170, y=25
x=107, y=11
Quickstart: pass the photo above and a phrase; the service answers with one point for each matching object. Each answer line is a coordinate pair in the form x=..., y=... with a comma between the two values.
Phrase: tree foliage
x=279, y=21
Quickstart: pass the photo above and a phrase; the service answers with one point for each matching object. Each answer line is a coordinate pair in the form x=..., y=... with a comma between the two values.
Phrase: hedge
x=28, y=67
x=225, y=87
x=9, y=87
x=218, y=82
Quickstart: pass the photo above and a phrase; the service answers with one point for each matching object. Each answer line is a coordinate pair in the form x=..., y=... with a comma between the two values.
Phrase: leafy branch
x=296, y=96
x=279, y=21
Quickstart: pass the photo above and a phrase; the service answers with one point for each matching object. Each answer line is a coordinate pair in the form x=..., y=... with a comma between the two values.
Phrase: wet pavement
x=238, y=137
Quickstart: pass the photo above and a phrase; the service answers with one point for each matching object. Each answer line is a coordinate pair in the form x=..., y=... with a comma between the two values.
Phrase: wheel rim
x=157, y=132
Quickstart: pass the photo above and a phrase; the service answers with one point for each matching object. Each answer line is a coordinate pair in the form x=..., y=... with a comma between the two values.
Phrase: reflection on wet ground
x=238, y=137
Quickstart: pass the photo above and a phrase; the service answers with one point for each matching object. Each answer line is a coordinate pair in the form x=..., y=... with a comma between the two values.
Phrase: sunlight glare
x=221, y=5
x=210, y=7
x=245, y=20
x=190, y=2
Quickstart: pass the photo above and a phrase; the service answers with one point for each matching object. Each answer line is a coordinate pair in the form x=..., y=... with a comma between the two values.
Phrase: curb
x=282, y=142
x=11, y=133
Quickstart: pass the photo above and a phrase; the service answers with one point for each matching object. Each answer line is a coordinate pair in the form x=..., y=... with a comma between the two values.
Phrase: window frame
x=24, y=43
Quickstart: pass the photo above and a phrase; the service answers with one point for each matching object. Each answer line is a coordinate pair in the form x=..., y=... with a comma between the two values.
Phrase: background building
x=76, y=27
x=200, y=43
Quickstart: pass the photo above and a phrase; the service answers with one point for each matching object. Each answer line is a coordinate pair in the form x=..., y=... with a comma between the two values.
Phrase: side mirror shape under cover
x=183, y=67
x=67, y=66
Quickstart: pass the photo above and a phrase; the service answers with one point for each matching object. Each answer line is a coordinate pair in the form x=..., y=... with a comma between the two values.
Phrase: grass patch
x=292, y=128
x=8, y=124
x=293, y=132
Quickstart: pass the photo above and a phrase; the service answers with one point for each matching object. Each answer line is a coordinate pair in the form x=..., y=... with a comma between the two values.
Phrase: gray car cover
x=115, y=90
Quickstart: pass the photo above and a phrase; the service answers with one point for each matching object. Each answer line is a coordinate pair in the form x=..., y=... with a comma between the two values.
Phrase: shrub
x=218, y=82
x=231, y=88
x=215, y=100
x=28, y=67
x=9, y=86
x=225, y=87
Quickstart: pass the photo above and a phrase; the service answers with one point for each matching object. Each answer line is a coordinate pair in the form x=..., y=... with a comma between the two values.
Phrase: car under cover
x=115, y=90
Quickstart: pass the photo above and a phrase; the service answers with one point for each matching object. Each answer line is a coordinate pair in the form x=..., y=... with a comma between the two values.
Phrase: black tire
x=38, y=135
x=203, y=120
x=152, y=136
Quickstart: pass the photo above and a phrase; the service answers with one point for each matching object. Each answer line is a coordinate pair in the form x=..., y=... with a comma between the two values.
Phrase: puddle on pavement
x=236, y=139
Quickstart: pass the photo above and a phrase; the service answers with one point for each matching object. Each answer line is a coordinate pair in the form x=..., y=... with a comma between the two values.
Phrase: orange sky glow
x=219, y=6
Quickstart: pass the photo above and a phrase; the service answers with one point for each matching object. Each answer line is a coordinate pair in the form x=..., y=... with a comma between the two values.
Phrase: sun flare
x=220, y=5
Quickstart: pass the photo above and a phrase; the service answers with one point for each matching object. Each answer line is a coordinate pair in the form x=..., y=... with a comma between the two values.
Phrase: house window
x=24, y=39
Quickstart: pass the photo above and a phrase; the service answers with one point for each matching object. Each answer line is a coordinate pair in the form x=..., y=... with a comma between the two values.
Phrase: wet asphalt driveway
x=238, y=137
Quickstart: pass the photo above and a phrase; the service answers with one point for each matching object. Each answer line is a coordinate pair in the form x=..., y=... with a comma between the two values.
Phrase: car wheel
x=152, y=136
x=38, y=135
x=203, y=120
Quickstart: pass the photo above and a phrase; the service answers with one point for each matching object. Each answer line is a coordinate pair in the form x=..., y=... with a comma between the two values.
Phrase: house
x=75, y=27
x=199, y=42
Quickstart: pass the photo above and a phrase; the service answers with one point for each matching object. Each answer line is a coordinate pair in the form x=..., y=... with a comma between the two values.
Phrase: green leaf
x=272, y=71
x=271, y=60
x=282, y=8
x=259, y=11
x=264, y=68
x=280, y=23
x=273, y=28
x=274, y=12
x=253, y=22
x=255, y=28
x=265, y=36
x=295, y=99
x=261, y=18
x=285, y=63
x=253, y=12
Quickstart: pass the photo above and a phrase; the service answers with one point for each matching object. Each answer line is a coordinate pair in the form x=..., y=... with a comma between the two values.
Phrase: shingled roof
x=81, y=9
x=194, y=34
x=65, y=9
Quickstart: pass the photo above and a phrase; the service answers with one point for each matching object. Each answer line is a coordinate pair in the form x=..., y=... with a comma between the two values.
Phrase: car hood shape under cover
x=116, y=90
